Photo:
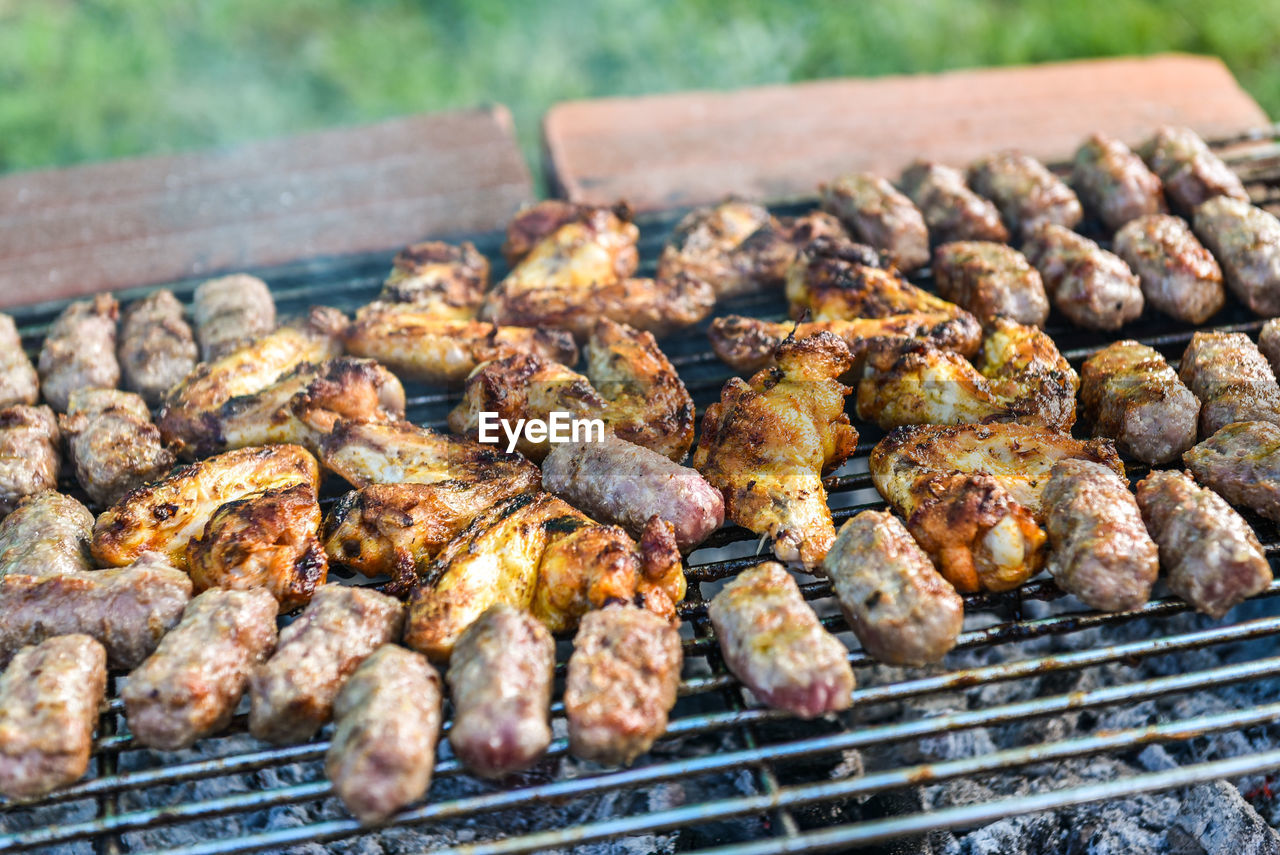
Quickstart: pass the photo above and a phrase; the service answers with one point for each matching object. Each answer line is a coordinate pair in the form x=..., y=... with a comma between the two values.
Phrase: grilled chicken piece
x=46, y=535
x=1246, y=241
x=1178, y=275
x=1241, y=462
x=1232, y=379
x=79, y=350
x=442, y=279
x=29, y=460
x=112, y=443
x=156, y=349
x=971, y=494
x=767, y=444
x=1132, y=395
x=231, y=311
x=1114, y=183
x=1190, y=171
x=990, y=280
x=951, y=210
x=19, y=383
x=877, y=214
x=1027, y=194
x=167, y=515
x=1090, y=286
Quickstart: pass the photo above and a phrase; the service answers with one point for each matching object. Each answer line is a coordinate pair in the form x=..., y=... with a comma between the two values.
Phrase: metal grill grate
x=760, y=780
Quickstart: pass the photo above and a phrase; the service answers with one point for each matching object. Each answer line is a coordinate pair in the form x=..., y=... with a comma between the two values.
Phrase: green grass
x=90, y=80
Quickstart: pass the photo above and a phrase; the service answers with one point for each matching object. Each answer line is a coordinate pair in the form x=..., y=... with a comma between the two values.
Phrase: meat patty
x=1131, y=395
x=113, y=445
x=190, y=686
x=1246, y=241
x=1099, y=548
x=1210, y=555
x=47, y=534
x=773, y=642
x=877, y=214
x=951, y=210
x=1089, y=285
x=1232, y=379
x=1027, y=194
x=990, y=280
x=1241, y=462
x=1191, y=173
x=292, y=693
x=79, y=350
x=1177, y=274
x=500, y=678
x=156, y=348
x=29, y=460
x=19, y=383
x=230, y=311
x=1114, y=183
x=49, y=699
x=895, y=601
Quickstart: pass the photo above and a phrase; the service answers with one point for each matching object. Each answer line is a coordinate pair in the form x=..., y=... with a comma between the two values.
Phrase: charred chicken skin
x=445, y=280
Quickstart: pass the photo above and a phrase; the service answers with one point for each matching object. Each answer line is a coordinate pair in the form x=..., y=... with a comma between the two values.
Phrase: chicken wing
x=445, y=280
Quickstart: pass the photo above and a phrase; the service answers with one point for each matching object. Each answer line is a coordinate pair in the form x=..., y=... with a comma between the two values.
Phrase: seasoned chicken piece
x=767, y=444
x=269, y=539
x=79, y=350
x=49, y=699
x=1246, y=241
x=1027, y=194
x=112, y=443
x=877, y=214
x=1210, y=555
x=773, y=642
x=837, y=279
x=445, y=280
x=230, y=312
x=46, y=535
x=190, y=687
x=29, y=461
x=167, y=515
x=1178, y=275
x=1232, y=379
x=990, y=280
x=971, y=494
x=1089, y=285
x=1020, y=377
x=1241, y=462
x=1190, y=171
x=951, y=210
x=156, y=349
x=898, y=605
x=1132, y=395
x=19, y=383
x=1114, y=183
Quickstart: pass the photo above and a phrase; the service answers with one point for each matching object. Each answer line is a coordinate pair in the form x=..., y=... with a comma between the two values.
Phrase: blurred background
x=82, y=81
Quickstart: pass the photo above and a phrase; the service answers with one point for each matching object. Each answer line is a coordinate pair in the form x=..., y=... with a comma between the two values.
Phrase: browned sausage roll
x=190, y=686
x=990, y=280
x=47, y=534
x=951, y=210
x=79, y=350
x=895, y=601
x=1131, y=395
x=230, y=311
x=877, y=214
x=29, y=460
x=1241, y=462
x=1210, y=555
x=1246, y=241
x=1114, y=183
x=1099, y=548
x=1177, y=274
x=112, y=443
x=19, y=383
x=1089, y=285
x=623, y=676
x=500, y=677
x=1027, y=194
x=384, y=745
x=773, y=642
x=1232, y=379
x=1191, y=173
x=292, y=693
x=49, y=698
x=157, y=349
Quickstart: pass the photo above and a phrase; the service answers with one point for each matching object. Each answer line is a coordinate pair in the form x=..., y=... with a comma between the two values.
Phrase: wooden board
x=67, y=232
x=777, y=142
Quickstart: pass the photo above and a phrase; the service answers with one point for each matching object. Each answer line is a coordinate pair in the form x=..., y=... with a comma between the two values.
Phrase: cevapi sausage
x=230, y=311
x=79, y=350
x=156, y=349
x=1133, y=396
x=19, y=383
x=47, y=534
x=29, y=460
x=1232, y=379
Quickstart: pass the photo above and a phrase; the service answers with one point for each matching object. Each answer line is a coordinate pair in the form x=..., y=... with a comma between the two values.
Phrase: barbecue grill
x=727, y=771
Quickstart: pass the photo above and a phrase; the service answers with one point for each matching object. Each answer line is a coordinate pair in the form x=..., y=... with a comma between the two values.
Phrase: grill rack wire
x=773, y=814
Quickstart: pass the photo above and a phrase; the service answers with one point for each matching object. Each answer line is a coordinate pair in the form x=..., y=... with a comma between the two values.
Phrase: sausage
x=156, y=349
x=623, y=675
x=113, y=444
x=1241, y=462
x=29, y=460
x=49, y=699
x=47, y=534
x=190, y=686
x=500, y=678
x=1211, y=557
x=1131, y=395
x=79, y=350
x=1027, y=194
x=1177, y=274
x=1246, y=241
x=292, y=693
x=127, y=609
x=384, y=745
x=1191, y=173
x=773, y=642
x=1099, y=548
x=951, y=210
x=1089, y=285
x=19, y=383
x=895, y=601
x=230, y=311
x=1232, y=379
x=990, y=280
x=620, y=482
x=1114, y=183
x=877, y=214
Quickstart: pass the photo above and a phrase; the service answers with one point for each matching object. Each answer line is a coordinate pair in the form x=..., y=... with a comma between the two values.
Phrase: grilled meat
x=990, y=280
x=1269, y=342
x=19, y=383
x=1211, y=557
x=971, y=494
x=156, y=348
x=1177, y=274
x=500, y=678
x=230, y=312
x=1114, y=183
x=1246, y=241
x=840, y=280
x=623, y=675
x=773, y=642
x=1191, y=173
x=1232, y=379
x=112, y=443
x=767, y=444
x=46, y=535
x=445, y=280
x=877, y=214
x=167, y=515
x=79, y=350
x=29, y=461
x=893, y=598
x=1090, y=286
x=190, y=686
x=733, y=246
x=49, y=698
x=951, y=210
x=1241, y=462
x=292, y=693
x=1027, y=194
x=1132, y=395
